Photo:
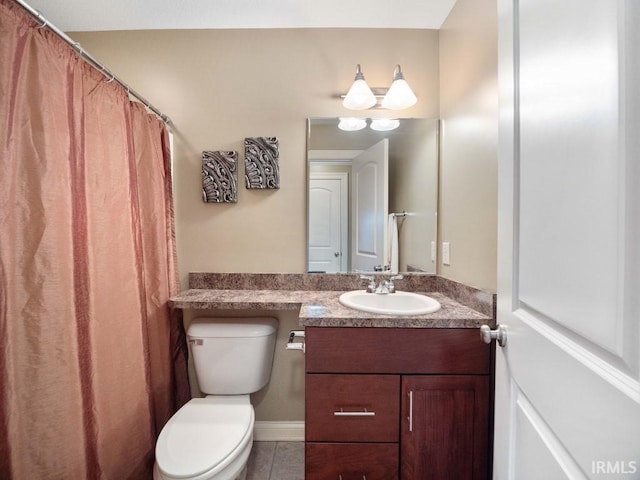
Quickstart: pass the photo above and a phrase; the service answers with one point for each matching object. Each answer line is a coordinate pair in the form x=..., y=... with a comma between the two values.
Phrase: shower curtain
x=92, y=364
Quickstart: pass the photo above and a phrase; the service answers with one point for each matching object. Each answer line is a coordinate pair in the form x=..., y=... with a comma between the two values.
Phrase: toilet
x=210, y=438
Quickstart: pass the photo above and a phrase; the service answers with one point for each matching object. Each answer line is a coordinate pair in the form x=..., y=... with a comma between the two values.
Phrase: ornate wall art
x=261, y=162
x=220, y=177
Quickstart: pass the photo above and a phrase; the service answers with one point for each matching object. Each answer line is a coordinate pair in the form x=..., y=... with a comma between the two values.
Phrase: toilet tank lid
x=210, y=327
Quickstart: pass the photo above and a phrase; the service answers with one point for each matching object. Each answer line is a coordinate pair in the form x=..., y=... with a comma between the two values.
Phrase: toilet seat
x=205, y=436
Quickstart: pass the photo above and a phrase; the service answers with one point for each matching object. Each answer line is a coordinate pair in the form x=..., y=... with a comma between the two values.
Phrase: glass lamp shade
x=352, y=124
x=400, y=94
x=384, y=124
x=359, y=96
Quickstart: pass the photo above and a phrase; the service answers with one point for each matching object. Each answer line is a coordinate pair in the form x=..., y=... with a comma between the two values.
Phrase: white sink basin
x=399, y=303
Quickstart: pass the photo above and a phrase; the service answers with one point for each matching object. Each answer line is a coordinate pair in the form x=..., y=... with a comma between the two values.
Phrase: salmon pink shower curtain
x=91, y=362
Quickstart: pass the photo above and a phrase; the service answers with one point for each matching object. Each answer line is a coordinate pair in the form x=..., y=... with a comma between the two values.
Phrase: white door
x=370, y=198
x=567, y=381
x=328, y=222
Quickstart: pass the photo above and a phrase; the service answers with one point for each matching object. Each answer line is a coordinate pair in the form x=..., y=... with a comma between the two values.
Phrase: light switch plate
x=446, y=253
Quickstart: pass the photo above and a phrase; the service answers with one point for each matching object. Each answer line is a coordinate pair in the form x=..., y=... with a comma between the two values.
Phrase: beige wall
x=469, y=113
x=220, y=86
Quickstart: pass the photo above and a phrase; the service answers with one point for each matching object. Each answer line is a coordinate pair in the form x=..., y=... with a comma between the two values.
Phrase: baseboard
x=278, y=432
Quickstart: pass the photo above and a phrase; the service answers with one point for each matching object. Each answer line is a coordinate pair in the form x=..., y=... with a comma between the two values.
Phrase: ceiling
x=99, y=15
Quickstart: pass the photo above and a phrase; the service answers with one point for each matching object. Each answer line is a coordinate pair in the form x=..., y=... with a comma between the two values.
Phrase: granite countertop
x=322, y=308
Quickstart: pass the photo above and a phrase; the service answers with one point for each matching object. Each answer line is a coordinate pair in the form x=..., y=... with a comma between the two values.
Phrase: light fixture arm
x=397, y=73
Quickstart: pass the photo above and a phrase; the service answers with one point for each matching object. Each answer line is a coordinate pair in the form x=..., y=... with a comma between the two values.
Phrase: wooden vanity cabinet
x=387, y=403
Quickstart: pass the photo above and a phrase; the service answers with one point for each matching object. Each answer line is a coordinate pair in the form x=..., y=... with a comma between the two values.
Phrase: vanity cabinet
x=391, y=403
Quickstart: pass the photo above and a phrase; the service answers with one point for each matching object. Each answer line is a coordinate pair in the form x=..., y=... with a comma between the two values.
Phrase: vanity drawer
x=396, y=350
x=352, y=408
x=351, y=461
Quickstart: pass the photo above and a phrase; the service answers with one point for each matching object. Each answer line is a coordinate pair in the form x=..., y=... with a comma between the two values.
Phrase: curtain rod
x=91, y=60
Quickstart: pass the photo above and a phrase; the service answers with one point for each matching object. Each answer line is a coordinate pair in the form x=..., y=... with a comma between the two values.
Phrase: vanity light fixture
x=351, y=124
x=384, y=124
x=396, y=97
x=400, y=95
x=360, y=96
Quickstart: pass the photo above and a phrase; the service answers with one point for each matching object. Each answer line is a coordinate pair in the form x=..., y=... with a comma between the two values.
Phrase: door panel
x=567, y=381
x=328, y=222
x=539, y=450
x=570, y=166
x=369, y=184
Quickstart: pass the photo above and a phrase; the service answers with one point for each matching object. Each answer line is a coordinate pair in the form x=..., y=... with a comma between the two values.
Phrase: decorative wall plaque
x=220, y=177
x=261, y=162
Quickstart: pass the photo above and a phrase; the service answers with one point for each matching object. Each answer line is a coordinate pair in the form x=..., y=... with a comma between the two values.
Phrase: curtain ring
x=113, y=77
x=42, y=19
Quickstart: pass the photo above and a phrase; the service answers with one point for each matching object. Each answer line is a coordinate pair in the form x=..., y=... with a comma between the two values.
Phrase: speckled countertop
x=321, y=308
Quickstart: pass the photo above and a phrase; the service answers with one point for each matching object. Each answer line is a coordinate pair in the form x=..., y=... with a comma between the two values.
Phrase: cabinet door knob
x=499, y=334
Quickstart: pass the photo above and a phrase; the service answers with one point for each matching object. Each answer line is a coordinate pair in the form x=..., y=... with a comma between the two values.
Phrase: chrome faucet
x=384, y=287
x=391, y=286
x=371, y=288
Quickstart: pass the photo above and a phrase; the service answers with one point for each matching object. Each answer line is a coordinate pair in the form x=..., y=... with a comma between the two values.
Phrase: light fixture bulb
x=400, y=95
x=360, y=96
x=351, y=124
x=384, y=124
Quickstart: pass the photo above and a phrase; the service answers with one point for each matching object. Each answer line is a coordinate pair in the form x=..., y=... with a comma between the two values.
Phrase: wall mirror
x=372, y=196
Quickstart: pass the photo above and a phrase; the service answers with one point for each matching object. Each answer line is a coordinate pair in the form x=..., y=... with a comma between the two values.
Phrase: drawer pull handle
x=365, y=413
x=364, y=477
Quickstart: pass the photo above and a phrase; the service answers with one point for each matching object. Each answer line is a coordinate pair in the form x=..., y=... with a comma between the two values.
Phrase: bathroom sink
x=399, y=303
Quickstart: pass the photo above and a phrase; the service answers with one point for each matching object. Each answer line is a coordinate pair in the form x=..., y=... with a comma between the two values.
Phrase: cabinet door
x=445, y=427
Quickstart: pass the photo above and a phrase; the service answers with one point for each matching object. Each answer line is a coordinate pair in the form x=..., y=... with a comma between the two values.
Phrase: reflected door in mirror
x=370, y=186
x=328, y=222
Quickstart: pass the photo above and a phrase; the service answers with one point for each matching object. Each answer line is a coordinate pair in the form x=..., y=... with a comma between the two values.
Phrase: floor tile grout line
x=273, y=460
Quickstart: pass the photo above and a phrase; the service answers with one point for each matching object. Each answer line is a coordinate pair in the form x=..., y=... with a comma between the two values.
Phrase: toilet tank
x=232, y=356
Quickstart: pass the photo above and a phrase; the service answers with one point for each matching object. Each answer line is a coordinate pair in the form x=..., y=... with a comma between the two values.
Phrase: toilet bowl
x=210, y=438
x=207, y=439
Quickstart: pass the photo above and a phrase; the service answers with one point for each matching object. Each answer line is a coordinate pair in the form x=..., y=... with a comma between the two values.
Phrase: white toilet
x=210, y=438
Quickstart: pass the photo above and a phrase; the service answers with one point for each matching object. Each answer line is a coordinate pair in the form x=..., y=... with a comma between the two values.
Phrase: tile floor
x=276, y=461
